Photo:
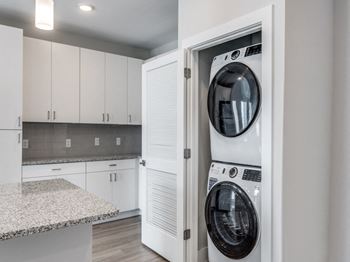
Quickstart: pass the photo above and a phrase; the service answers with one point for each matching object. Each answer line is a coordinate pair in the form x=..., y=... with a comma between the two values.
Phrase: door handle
x=143, y=163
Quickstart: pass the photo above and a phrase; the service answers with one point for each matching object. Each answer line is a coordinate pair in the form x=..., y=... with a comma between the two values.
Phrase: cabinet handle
x=19, y=138
x=19, y=121
x=107, y=117
x=54, y=115
x=115, y=177
x=129, y=118
x=103, y=117
x=110, y=177
x=113, y=165
x=48, y=115
x=56, y=169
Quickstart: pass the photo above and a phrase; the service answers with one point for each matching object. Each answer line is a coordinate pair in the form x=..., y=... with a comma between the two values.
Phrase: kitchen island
x=48, y=220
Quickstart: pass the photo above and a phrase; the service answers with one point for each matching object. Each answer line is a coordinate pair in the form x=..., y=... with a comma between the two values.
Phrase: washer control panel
x=252, y=175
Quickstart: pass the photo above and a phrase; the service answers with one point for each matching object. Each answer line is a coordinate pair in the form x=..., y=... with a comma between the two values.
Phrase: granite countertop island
x=62, y=160
x=46, y=207
x=41, y=206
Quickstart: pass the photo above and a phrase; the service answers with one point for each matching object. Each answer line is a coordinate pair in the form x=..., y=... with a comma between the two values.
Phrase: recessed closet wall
x=205, y=59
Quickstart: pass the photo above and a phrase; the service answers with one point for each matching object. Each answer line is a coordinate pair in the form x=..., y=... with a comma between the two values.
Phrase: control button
x=235, y=54
x=233, y=172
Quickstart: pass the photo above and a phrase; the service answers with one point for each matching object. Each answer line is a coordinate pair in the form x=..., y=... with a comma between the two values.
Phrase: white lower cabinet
x=116, y=182
x=72, y=172
x=126, y=190
x=100, y=184
x=75, y=179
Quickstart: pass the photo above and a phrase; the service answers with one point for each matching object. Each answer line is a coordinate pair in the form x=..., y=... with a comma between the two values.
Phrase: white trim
x=255, y=21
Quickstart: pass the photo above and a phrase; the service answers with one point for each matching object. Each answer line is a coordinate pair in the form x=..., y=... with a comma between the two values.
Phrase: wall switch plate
x=68, y=143
x=25, y=144
x=97, y=141
x=118, y=141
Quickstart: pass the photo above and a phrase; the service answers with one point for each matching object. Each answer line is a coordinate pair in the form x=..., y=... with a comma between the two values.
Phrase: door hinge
x=187, y=234
x=187, y=73
x=187, y=153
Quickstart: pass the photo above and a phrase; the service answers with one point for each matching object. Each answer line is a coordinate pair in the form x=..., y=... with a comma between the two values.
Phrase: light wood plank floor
x=120, y=241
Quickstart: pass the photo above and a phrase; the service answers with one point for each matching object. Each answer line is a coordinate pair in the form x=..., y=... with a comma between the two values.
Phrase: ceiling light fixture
x=86, y=8
x=44, y=14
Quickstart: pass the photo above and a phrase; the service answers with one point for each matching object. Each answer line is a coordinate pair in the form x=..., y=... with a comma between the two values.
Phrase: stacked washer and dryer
x=232, y=209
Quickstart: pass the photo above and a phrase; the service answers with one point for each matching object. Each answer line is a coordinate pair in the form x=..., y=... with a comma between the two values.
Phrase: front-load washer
x=232, y=213
x=234, y=101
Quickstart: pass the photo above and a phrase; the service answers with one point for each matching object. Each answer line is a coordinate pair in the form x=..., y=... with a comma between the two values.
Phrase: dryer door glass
x=233, y=99
x=231, y=219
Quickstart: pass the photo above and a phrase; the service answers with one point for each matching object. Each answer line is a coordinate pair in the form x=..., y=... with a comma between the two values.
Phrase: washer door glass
x=233, y=99
x=231, y=220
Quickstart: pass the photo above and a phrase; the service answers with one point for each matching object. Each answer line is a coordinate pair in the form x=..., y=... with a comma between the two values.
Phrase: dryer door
x=233, y=99
x=231, y=219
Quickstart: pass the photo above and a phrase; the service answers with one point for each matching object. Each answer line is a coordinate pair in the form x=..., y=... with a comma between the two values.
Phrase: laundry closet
x=220, y=153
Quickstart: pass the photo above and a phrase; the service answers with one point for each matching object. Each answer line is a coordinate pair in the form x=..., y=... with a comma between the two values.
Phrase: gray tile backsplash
x=47, y=140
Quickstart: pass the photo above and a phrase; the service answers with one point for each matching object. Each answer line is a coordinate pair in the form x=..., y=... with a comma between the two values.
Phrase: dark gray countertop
x=34, y=207
x=47, y=161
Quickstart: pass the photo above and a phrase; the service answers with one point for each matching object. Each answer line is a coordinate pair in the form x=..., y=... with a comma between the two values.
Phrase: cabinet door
x=134, y=91
x=125, y=193
x=116, y=106
x=92, y=83
x=11, y=68
x=100, y=184
x=75, y=179
x=10, y=156
x=65, y=83
x=36, y=80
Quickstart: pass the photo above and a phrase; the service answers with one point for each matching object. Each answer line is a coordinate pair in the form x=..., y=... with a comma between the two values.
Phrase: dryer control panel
x=252, y=175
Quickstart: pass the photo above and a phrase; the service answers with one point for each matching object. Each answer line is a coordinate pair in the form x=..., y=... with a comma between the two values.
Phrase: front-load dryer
x=234, y=101
x=232, y=213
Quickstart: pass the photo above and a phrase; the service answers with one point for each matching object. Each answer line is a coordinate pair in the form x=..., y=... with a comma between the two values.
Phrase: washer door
x=231, y=219
x=233, y=99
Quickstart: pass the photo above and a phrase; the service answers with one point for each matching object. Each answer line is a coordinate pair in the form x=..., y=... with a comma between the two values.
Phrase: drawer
x=52, y=170
x=100, y=166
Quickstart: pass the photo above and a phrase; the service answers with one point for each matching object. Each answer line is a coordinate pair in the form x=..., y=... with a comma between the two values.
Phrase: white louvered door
x=158, y=176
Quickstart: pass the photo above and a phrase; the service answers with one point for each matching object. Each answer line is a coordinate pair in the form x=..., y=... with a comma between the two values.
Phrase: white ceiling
x=140, y=23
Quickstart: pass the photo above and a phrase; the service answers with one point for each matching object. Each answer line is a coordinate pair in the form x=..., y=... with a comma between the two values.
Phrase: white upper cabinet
x=134, y=91
x=92, y=83
x=37, y=80
x=65, y=83
x=116, y=89
x=11, y=50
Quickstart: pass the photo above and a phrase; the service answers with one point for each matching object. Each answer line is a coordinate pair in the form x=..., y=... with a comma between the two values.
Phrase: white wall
x=301, y=117
x=340, y=179
x=307, y=129
x=77, y=40
x=168, y=47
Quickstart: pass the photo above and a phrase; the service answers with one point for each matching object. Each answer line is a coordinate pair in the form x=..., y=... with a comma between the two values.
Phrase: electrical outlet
x=118, y=141
x=25, y=144
x=68, y=143
x=97, y=141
